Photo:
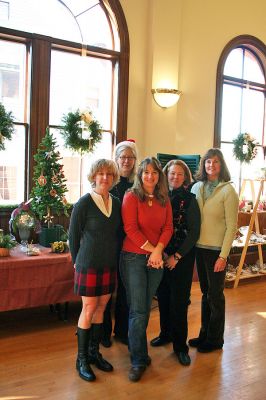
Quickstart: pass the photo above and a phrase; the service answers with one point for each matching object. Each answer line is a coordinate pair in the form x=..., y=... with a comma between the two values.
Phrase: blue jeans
x=141, y=283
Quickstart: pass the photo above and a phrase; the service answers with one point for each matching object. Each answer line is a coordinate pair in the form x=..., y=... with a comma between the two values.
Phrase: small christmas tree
x=48, y=193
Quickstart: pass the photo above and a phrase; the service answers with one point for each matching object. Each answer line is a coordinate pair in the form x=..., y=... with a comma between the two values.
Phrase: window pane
x=232, y=163
x=12, y=169
x=231, y=112
x=13, y=78
x=253, y=113
x=252, y=69
x=76, y=167
x=234, y=64
x=74, y=20
x=89, y=23
x=85, y=82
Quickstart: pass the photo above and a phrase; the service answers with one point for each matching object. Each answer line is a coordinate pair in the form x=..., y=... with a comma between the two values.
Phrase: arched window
x=57, y=56
x=240, y=102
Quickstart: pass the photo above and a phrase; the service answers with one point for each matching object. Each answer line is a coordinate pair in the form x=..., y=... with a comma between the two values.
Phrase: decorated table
x=32, y=281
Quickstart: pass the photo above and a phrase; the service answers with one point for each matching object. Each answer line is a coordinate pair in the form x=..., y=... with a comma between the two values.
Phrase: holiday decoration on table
x=23, y=218
x=81, y=131
x=6, y=126
x=244, y=148
x=48, y=192
x=59, y=247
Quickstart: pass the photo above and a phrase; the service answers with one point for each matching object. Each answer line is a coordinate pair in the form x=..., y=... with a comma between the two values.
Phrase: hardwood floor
x=37, y=357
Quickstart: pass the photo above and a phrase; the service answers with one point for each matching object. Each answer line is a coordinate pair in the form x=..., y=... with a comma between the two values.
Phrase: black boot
x=82, y=363
x=95, y=356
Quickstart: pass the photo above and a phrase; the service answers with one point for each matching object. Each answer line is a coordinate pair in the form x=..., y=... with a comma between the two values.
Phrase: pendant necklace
x=150, y=197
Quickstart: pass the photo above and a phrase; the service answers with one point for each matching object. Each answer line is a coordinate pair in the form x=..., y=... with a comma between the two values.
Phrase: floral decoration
x=24, y=217
x=77, y=124
x=244, y=147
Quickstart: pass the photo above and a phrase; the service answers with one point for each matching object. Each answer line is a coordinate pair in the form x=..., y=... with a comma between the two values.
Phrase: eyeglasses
x=123, y=158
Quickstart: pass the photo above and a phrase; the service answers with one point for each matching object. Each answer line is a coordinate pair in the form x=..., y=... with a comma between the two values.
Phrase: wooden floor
x=37, y=357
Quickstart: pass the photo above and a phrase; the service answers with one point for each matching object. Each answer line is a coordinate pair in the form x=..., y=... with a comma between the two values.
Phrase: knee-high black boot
x=82, y=363
x=95, y=356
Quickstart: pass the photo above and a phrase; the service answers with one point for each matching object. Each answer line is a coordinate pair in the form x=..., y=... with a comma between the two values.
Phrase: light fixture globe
x=166, y=98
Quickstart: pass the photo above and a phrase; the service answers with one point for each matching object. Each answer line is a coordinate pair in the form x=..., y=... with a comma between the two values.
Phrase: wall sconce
x=166, y=98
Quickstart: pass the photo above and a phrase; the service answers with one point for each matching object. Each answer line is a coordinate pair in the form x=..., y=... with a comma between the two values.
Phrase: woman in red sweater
x=147, y=218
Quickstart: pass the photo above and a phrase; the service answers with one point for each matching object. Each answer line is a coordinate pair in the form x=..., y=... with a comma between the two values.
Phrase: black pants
x=213, y=300
x=121, y=313
x=173, y=298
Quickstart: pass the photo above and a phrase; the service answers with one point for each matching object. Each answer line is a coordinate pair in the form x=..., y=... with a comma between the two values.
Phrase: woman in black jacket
x=174, y=290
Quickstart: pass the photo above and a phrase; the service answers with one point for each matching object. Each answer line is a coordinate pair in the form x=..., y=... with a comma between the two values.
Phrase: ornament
x=54, y=179
x=48, y=218
x=42, y=180
x=64, y=200
x=53, y=192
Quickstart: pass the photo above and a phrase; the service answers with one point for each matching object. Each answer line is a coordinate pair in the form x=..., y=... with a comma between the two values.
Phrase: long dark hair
x=160, y=191
x=201, y=174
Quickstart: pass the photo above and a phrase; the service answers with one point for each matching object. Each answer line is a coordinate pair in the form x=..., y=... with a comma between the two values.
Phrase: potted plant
x=6, y=243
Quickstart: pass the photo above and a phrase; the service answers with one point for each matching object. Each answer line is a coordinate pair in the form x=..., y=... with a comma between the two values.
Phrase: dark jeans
x=213, y=300
x=121, y=313
x=173, y=299
x=141, y=283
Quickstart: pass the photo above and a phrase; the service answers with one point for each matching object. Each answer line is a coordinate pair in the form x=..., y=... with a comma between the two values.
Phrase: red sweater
x=142, y=223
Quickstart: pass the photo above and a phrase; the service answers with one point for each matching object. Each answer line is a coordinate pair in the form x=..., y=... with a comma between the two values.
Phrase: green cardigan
x=219, y=216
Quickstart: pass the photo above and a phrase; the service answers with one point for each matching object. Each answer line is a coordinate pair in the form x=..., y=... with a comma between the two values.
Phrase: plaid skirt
x=95, y=283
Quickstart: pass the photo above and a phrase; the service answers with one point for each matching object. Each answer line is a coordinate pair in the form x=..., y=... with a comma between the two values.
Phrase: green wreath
x=6, y=126
x=74, y=124
x=244, y=148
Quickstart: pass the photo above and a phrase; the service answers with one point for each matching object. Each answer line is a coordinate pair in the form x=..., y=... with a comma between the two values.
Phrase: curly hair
x=201, y=174
x=183, y=165
x=99, y=165
x=161, y=189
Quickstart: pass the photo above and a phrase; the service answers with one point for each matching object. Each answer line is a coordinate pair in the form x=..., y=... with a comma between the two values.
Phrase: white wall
x=181, y=40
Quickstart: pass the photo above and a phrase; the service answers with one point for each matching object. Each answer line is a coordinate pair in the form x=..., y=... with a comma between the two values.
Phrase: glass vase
x=24, y=234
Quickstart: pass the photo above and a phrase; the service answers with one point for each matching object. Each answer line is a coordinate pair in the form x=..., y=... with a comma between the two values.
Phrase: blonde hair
x=99, y=165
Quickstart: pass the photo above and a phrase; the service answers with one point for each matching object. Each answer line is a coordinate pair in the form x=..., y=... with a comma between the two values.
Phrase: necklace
x=150, y=197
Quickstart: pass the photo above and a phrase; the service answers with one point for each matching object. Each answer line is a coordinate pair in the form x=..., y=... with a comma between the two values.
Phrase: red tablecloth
x=31, y=281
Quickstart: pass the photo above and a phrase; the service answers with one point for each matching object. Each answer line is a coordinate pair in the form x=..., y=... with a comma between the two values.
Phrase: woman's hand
x=156, y=259
x=170, y=262
x=219, y=265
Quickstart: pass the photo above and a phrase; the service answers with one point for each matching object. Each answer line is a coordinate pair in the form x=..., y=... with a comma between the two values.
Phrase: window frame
x=40, y=47
x=258, y=48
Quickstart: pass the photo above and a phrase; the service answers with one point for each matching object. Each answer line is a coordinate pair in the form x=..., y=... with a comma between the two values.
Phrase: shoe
x=148, y=361
x=183, y=358
x=207, y=347
x=121, y=339
x=84, y=370
x=159, y=341
x=195, y=342
x=135, y=373
x=106, y=342
x=95, y=357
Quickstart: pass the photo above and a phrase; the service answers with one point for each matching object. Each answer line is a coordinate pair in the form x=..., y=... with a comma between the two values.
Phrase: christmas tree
x=48, y=193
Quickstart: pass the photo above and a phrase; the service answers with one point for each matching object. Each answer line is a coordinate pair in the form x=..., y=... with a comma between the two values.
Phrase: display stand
x=253, y=220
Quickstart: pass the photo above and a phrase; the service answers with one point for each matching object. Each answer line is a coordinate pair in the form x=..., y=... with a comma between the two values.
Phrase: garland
x=6, y=126
x=244, y=148
x=74, y=125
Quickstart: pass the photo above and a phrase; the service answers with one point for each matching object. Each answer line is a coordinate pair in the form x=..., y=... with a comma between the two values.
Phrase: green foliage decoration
x=244, y=148
x=48, y=192
x=6, y=126
x=7, y=242
x=77, y=124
